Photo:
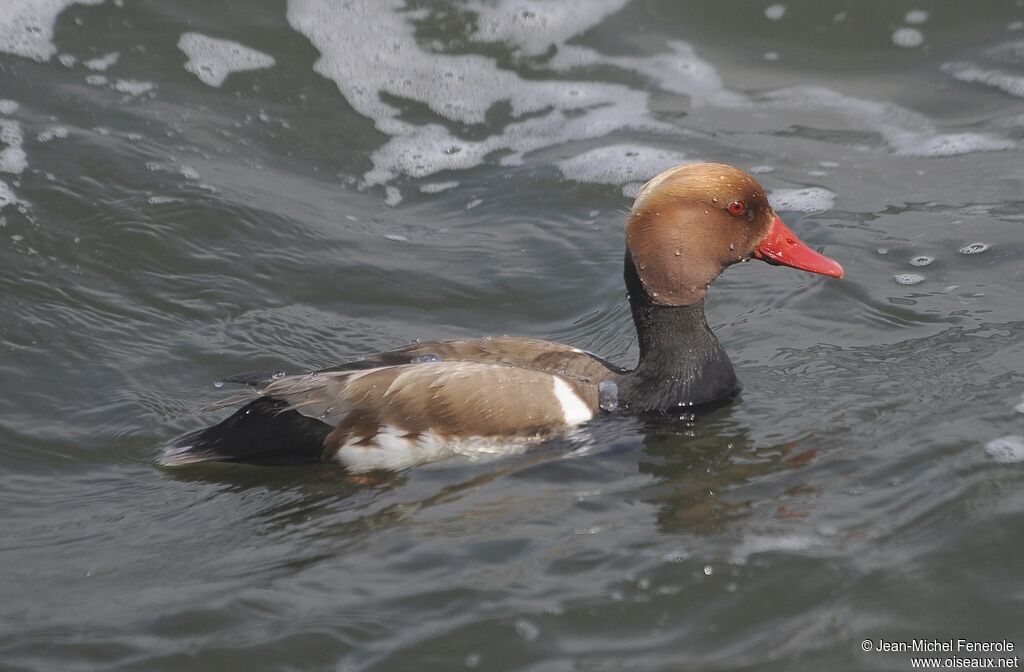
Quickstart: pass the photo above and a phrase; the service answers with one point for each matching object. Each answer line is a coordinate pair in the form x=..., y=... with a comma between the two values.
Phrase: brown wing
x=448, y=400
x=525, y=353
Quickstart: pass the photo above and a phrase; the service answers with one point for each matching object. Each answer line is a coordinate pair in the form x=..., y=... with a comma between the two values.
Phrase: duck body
x=429, y=401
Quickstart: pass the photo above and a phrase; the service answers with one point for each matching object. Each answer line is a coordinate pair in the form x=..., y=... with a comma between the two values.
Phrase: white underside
x=391, y=450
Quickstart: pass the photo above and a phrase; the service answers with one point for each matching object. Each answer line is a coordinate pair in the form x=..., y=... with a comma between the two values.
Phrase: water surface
x=190, y=190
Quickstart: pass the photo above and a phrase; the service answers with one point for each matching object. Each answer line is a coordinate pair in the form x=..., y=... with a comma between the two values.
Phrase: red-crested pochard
x=429, y=401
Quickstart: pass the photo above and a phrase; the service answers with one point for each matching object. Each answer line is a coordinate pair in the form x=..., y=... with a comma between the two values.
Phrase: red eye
x=736, y=208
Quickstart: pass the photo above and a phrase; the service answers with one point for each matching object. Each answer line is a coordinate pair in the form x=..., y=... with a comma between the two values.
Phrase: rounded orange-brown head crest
x=690, y=222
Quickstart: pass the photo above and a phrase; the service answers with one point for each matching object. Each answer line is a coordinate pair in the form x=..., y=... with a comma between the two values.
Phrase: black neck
x=681, y=364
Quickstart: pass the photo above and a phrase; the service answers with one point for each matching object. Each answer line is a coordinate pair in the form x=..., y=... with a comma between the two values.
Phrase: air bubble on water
x=426, y=358
x=973, y=248
x=916, y=16
x=709, y=570
x=883, y=250
x=921, y=260
x=1006, y=449
x=218, y=384
x=909, y=278
x=908, y=38
x=278, y=375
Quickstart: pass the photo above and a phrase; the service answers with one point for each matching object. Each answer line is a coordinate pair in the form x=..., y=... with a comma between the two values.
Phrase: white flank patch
x=574, y=410
x=391, y=450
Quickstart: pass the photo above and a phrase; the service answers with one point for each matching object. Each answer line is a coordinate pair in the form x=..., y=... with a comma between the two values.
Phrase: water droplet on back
x=426, y=358
x=608, y=395
x=278, y=375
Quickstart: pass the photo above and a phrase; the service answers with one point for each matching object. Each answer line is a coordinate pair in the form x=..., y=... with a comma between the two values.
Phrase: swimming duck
x=429, y=401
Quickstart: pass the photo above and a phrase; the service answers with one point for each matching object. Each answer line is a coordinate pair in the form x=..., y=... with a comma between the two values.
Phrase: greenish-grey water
x=340, y=178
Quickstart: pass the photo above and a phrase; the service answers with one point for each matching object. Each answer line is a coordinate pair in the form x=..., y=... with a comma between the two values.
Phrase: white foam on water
x=678, y=71
x=621, y=165
x=534, y=26
x=392, y=196
x=212, y=59
x=774, y=12
x=8, y=106
x=438, y=187
x=133, y=87
x=908, y=38
x=766, y=544
x=7, y=196
x=54, y=133
x=908, y=278
x=1008, y=53
x=1006, y=449
x=371, y=52
x=1020, y=407
x=370, y=49
x=12, y=157
x=103, y=62
x=805, y=199
x=1004, y=81
x=26, y=26
x=906, y=132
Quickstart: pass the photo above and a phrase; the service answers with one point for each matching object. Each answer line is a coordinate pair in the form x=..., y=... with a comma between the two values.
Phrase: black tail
x=263, y=431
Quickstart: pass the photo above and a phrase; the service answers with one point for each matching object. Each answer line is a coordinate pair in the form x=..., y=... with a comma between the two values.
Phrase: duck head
x=692, y=221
